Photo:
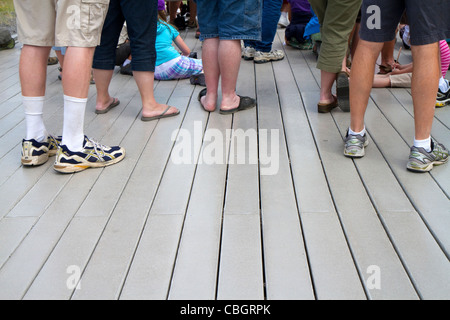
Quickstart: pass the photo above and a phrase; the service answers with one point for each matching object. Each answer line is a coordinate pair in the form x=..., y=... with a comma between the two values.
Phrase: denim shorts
x=428, y=20
x=230, y=19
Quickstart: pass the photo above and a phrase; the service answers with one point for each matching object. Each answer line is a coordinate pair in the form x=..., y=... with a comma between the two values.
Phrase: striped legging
x=445, y=57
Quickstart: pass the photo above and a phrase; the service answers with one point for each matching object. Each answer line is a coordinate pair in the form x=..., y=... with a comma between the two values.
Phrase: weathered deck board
x=213, y=227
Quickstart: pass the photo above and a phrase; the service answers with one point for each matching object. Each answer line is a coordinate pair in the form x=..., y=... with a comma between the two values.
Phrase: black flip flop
x=244, y=104
x=200, y=95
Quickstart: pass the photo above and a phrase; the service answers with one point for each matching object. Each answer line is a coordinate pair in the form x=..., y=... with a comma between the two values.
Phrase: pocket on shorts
x=93, y=14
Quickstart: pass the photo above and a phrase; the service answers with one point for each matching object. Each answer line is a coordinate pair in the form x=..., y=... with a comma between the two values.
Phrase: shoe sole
x=440, y=104
x=35, y=161
x=359, y=155
x=260, y=61
x=321, y=108
x=343, y=92
x=72, y=168
x=428, y=168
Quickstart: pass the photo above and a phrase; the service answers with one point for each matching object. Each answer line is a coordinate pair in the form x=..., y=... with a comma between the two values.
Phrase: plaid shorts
x=178, y=68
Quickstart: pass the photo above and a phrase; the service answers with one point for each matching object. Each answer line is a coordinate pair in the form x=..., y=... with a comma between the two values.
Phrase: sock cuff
x=73, y=99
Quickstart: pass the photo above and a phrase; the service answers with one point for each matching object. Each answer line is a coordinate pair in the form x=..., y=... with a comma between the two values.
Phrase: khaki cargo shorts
x=61, y=23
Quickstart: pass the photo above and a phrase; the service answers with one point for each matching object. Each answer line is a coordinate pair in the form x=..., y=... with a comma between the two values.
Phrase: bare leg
x=150, y=108
x=425, y=80
x=102, y=81
x=33, y=70
x=210, y=57
x=173, y=7
x=362, y=73
x=77, y=71
x=327, y=80
x=229, y=61
x=60, y=59
x=387, y=53
x=192, y=11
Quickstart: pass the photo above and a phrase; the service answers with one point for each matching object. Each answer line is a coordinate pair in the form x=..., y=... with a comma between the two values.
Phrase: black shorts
x=428, y=20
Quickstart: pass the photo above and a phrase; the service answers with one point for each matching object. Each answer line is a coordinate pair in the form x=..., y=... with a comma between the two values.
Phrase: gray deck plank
x=286, y=266
x=195, y=271
x=241, y=263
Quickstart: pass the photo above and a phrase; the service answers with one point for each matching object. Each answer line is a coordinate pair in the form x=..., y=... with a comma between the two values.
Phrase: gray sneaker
x=422, y=161
x=354, y=145
x=263, y=57
x=248, y=53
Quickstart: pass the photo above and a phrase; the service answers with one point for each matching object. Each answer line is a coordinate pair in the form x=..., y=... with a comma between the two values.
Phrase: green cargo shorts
x=337, y=19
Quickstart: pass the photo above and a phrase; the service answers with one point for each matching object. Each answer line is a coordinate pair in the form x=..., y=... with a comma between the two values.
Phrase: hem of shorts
x=329, y=68
x=103, y=66
x=36, y=43
x=385, y=37
x=424, y=40
x=76, y=44
x=204, y=37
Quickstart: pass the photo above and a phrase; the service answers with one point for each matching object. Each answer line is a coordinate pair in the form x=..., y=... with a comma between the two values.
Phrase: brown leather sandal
x=327, y=107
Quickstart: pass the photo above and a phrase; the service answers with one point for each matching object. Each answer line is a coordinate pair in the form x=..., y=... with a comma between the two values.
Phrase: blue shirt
x=165, y=51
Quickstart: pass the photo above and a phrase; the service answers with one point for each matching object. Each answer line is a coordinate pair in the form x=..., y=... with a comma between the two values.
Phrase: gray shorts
x=428, y=20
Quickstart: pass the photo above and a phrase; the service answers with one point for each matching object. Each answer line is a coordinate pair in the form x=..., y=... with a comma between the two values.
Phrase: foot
x=208, y=100
x=158, y=109
x=93, y=155
x=325, y=105
x=36, y=153
x=355, y=145
x=244, y=104
x=422, y=161
x=104, y=107
x=230, y=103
x=443, y=98
x=264, y=57
x=248, y=53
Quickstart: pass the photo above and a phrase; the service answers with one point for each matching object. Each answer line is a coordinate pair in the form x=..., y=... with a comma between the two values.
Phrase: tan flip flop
x=113, y=104
x=161, y=116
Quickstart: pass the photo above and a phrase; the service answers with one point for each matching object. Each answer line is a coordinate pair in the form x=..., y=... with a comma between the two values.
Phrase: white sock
x=73, y=129
x=426, y=144
x=127, y=62
x=34, y=109
x=443, y=84
x=353, y=133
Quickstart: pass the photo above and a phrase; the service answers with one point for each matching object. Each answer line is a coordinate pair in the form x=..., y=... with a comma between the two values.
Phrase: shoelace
x=98, y=146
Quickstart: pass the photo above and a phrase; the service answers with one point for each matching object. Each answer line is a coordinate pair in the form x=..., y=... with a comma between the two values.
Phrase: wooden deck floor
x=292, y=219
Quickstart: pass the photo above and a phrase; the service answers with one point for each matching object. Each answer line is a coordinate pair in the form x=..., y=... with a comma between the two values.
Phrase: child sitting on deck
x=170, y=64
x=401, y=76
x=295, y=32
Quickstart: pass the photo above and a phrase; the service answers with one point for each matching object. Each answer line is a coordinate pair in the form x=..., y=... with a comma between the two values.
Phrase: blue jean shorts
x=428, y=20
x=230, y=19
